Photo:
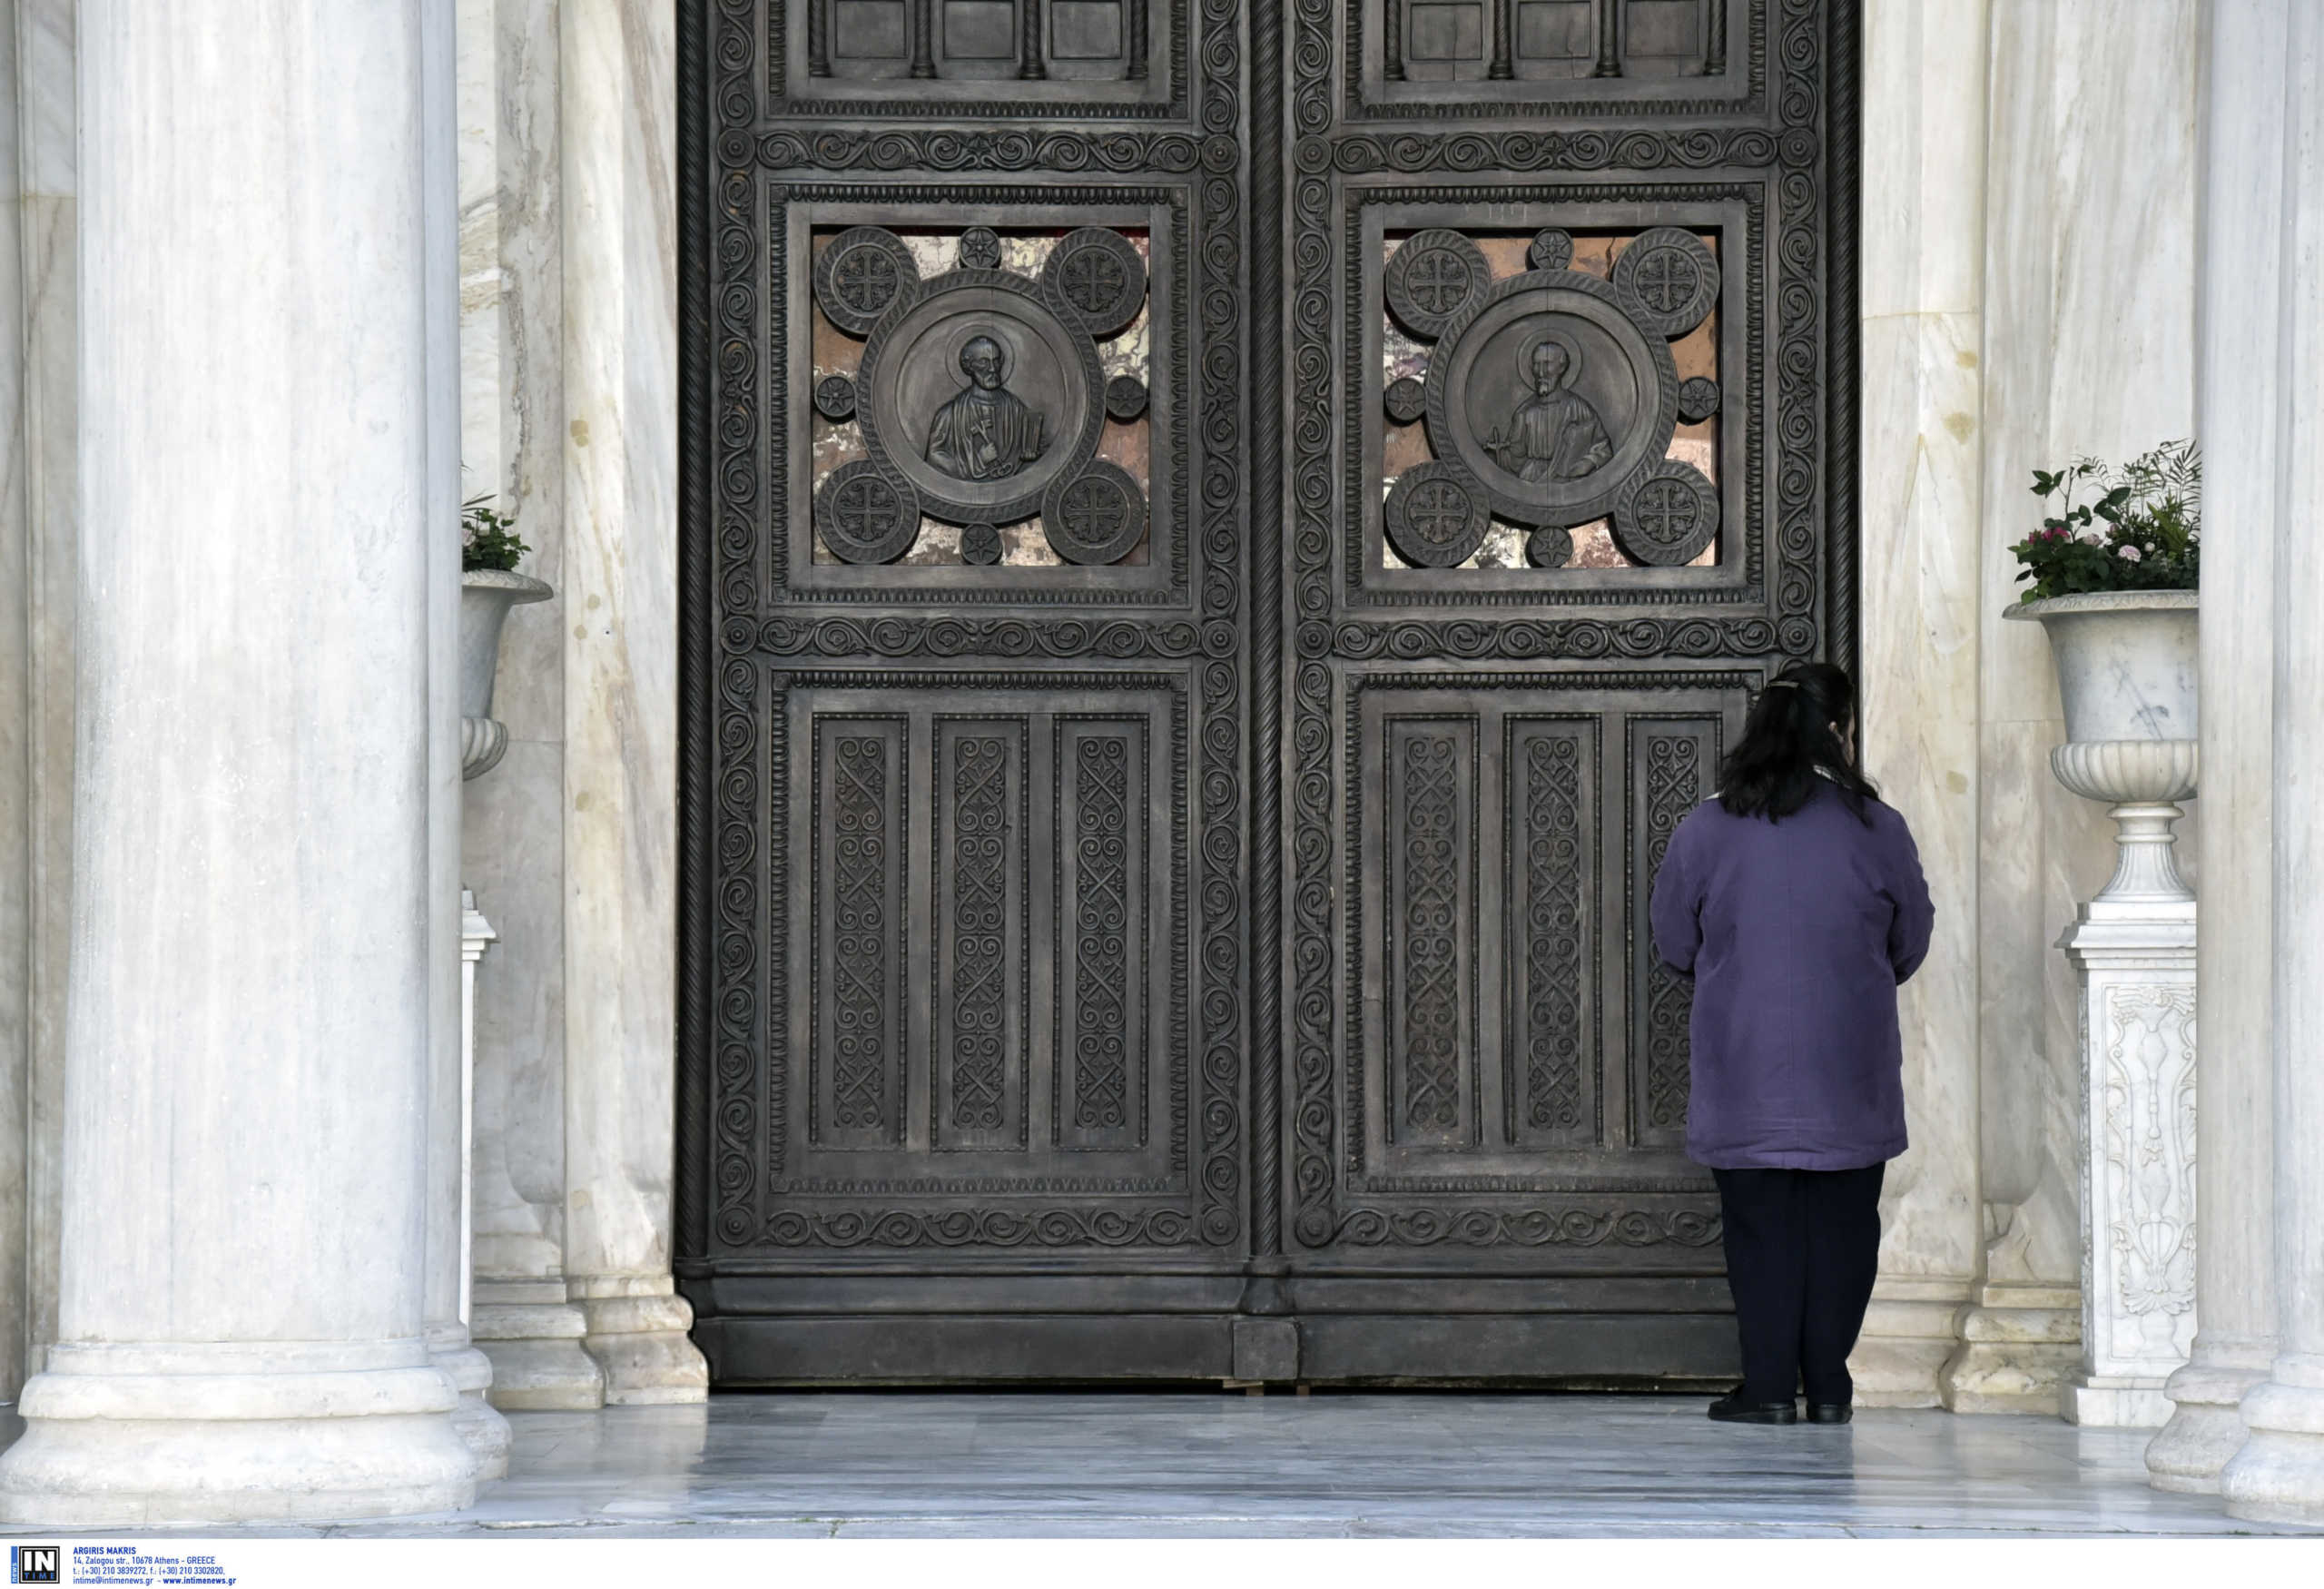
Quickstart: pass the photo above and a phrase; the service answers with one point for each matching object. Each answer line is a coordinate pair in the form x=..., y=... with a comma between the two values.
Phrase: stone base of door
x=2019, y=1346
x=533, y=1337
x=2115, y=1402
x=173, y=1436
x=635, y=1331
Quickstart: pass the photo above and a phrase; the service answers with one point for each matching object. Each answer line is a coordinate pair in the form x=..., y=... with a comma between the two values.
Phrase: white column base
x=164, y=1435
x=1910, y=1332
x=2109, y=1401
x=637, y=1328
x=2278, y=1474
x=533, y=1337
x=2206, y=1427
x=2019, y=1346
x=482, y=1429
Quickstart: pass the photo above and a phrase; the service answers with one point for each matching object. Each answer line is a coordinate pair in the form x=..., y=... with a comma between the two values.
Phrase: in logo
x=34, y=1563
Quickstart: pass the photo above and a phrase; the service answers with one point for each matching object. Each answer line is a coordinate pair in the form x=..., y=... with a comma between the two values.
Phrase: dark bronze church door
x=1218, y=538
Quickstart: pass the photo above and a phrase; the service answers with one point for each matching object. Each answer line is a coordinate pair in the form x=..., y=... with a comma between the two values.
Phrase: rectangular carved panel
x=1673, y=764
x=1430, y=859
x=1511, y=1057
x=859, y=893
x=1551, y=942
x=981, y=862
x=989, y=995
x=904, y=59
x=1101, y=940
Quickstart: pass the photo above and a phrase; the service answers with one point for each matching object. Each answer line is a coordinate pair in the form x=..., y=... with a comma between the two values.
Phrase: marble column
x=2278, y=1472
x=249, y=1001
x=1924, y=148
x=618, y=91
x=2240, y=388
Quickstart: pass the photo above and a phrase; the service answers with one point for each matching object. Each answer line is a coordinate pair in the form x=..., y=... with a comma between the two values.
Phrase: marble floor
x=1190, y=1463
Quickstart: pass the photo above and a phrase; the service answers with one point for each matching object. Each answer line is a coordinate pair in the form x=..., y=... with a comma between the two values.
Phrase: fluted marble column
x=243, y=1288
x=2279, y=1474
x=2239, y=388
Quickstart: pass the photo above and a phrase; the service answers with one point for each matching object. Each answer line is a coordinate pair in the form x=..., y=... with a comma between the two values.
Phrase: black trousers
x=1802, y=1249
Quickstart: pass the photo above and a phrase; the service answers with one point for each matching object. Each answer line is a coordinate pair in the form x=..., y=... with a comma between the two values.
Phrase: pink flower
x=2129, y=554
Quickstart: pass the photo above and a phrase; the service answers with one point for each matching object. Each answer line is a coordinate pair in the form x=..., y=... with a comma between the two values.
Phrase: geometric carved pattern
x=1431, y=906
x=1101, y=925
x=979, y=911
x=863, y=913
x=1673, y=788
x=1553, y=953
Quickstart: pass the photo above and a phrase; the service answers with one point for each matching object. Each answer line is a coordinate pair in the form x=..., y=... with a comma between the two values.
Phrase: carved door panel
x=1206, y=588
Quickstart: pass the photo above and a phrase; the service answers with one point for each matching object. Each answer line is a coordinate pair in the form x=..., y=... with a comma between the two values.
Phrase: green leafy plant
x=2143, y=529
x=488, y=538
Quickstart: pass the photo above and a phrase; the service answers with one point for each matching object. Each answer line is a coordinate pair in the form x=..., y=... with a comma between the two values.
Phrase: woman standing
x=1794, y=898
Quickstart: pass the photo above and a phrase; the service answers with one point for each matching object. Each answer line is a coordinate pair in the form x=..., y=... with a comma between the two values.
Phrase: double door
x=1219, y=538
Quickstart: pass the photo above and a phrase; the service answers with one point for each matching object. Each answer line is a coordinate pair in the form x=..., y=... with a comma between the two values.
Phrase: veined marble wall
x=2028, y=297
x=2089, y=266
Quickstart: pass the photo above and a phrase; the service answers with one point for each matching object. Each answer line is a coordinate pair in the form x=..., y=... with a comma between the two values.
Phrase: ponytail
x=1788, y=743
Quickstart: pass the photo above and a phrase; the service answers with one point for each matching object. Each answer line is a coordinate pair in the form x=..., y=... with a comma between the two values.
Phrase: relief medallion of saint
x=986, y=432
x=981, y=396
x=1550, y=398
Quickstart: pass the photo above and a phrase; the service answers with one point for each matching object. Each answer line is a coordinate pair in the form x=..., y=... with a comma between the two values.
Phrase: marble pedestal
x=635, y=1331
x=2135, y=952
x=2020, y=1345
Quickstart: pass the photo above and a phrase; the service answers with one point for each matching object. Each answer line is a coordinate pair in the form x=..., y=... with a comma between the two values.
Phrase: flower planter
x=486, y=596
x=2126, y=675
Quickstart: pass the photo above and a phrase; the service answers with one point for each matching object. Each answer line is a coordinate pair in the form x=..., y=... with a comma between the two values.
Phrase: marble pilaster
x=513, y=834
x=44, y=121
x=2088, y=340
x=1921, y=302
x=2279, y=1474
x=16, y=741
x=2239, y=394
x=618, y=90
x=253, y=747
x=449, y=1122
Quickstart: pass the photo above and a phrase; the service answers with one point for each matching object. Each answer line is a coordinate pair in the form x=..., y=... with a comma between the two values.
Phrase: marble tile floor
x=1210, y=1464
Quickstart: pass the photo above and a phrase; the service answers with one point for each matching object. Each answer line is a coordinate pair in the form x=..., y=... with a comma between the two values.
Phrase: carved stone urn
x=486, y=596
x=2126, y=672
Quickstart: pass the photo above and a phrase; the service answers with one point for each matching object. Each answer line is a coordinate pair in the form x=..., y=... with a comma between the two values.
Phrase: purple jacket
x=1795, y=933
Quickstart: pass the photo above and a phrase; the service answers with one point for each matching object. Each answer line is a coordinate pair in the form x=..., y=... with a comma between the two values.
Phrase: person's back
x=1793, y=899
x=1797, y=932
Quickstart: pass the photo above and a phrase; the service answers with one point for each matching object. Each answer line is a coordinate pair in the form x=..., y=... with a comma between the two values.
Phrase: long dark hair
x=1788, y=743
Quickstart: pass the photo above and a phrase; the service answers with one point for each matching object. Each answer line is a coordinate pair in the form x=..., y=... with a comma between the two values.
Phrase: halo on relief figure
x=1564, y=341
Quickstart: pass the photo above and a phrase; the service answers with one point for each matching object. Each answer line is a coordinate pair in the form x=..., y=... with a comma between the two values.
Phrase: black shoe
x=1831, y=1412
x=1732, y=1408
